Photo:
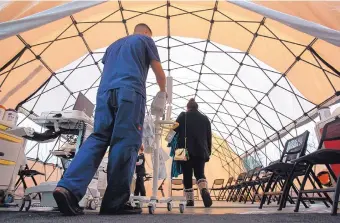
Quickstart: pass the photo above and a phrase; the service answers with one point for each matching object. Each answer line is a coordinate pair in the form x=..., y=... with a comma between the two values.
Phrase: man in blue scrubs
x=118, y=124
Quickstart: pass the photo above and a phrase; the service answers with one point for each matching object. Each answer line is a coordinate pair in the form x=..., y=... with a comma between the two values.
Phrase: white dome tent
x=257, y=71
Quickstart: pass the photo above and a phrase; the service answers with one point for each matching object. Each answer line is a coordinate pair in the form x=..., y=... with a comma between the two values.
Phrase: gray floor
x=197, y=218
x=220, y=212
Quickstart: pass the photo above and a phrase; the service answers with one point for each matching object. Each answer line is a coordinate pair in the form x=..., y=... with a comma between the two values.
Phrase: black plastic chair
x=244, y=185
x=331, y=132
x=228, y=186
x=261, y=181
x=236, y=187
x=294, y=148
x=249, y=186
x=217, y=187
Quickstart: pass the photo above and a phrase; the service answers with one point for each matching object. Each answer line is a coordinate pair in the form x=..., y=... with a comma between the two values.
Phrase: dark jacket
x=198, y=134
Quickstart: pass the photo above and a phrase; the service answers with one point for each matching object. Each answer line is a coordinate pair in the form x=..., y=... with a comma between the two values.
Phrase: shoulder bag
x=181, y=154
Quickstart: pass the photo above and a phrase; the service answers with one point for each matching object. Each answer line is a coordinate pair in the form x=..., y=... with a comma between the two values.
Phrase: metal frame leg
x=318, y=193
x=286, y=189
x=336, y=197
x=264, y=196
x=297, y=205
x=272, y=189
x=320, y=186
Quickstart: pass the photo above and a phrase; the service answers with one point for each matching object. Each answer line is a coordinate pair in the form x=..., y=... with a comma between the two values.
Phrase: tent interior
x=260, y=71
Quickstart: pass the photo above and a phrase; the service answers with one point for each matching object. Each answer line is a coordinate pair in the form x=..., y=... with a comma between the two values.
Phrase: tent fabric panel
x=321, y=12
x=60, y=46
x=20, y=83
x=329, y=53
x=15, y=27
x=12, y=46
x=310, y=28
x=113, y=31
x=312, y=81
x=13, y=10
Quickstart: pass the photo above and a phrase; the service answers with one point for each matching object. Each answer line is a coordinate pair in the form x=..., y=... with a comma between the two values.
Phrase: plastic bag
x=158, y=104
x=163, y=157
x=148, y=134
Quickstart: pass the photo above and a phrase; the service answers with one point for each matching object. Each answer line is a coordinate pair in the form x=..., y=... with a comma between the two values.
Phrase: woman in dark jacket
x=198, y=133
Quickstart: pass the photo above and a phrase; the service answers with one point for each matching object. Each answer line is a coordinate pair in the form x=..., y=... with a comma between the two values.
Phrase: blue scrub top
x=126, y=63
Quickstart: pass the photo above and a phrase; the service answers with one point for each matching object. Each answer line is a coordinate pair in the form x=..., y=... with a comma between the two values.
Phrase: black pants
x=195, y=164
x=140, y=188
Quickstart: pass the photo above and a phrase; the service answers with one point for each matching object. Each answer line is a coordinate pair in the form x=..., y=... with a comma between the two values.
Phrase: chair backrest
x=177, y=182
x=249, y=175
x=331, y=132
x=257, y=171
x=295, y=147
x=230, y=181
x=218, y=182
x=241, y=177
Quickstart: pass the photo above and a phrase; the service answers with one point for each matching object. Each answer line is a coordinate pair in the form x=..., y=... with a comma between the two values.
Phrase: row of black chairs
x=281, y=181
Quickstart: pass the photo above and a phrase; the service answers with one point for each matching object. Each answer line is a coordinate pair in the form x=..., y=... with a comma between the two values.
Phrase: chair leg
x=35, y=184
x=224, y=194
x=306, y=194
x=320, y=186
x=282, y=184
x=286, y=188
x=255, y=193
x=23, y=182
x=331, y=172
x=242, y=194
x=318, y=193
x=219, y=195
x=17, y=183
x=248, y=193
x=336, y=197
x=230, y=195
x=297, y=205
x=236, y=194
x=296, y=190
x=264, y=196
x=272, y=189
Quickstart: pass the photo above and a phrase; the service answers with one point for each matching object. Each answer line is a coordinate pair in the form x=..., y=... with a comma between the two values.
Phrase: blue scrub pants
x=118, y=123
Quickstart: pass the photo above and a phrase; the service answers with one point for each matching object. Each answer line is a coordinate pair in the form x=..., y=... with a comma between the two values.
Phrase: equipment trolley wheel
x=92, y=205
x=169, y=206
x=151, y=209
x=181, y=208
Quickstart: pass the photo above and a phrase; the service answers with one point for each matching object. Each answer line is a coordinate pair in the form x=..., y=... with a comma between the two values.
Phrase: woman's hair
x=192, y=105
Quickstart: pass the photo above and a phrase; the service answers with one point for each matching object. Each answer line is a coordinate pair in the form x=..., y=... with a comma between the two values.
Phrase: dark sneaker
x=127, y=209
x=206, y=198
x=190, y=203
x=67, y=203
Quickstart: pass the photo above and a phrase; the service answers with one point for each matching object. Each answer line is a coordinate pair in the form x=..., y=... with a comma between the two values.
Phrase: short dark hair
x=192, y=105
x=144, y=26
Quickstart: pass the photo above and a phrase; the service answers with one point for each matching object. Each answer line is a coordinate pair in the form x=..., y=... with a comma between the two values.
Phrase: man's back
x=126, y=63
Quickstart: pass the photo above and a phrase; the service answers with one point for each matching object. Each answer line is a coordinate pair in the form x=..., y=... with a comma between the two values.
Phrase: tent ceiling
x=326, y=13
x=240, y=87
x=277, y=45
